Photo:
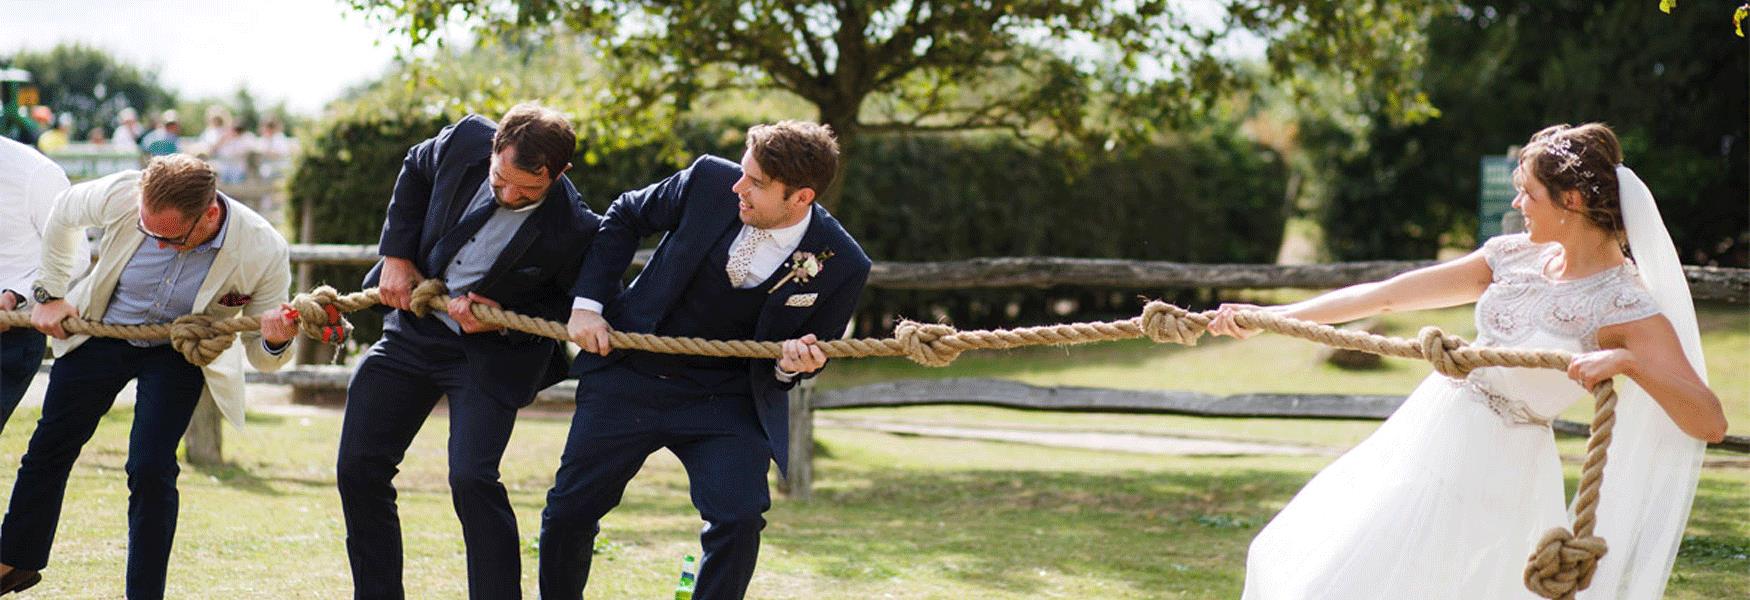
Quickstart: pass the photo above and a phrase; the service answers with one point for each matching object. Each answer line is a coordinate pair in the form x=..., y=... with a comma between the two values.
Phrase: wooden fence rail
x=1706, y=283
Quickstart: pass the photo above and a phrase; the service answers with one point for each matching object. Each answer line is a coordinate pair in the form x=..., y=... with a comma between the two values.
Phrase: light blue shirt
x=159, y=284
x=475, y=258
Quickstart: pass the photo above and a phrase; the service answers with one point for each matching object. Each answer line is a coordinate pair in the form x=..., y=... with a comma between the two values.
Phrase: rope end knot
x=1563, y=564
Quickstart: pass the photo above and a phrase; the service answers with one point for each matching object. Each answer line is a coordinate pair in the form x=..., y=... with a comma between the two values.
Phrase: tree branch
x=815, y=50
x=751, y=50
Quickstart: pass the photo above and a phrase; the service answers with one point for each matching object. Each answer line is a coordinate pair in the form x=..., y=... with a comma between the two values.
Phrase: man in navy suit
x=746, y=254
x=485, y=207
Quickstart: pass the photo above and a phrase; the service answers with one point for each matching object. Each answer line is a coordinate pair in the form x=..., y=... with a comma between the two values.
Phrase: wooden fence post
x=307, y=351
x=798, y=484
x=204, y=442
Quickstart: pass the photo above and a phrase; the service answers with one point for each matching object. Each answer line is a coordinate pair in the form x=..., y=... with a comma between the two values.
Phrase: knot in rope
x=318, y=315
x=923, y=343
x=425, y=292
x=1563, y=564
x=201, y=338
x=1437, y=349
x=1165, y=323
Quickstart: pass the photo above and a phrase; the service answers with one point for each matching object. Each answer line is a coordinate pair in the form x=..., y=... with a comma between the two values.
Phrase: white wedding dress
x=1447, y=499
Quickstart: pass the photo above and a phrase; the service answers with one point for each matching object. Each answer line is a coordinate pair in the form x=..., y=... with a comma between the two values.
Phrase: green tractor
x=16, y=93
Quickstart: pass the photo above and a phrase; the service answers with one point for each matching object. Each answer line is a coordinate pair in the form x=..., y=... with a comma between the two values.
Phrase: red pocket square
x=234, y=299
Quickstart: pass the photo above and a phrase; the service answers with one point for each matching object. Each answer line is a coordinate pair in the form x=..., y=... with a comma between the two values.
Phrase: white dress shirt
x=29, y=183
x=766, y=258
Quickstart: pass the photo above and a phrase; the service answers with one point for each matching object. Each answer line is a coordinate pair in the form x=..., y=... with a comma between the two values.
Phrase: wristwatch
x=42, y=295
x=22, y=299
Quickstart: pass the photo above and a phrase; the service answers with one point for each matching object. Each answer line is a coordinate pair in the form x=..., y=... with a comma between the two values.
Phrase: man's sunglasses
x=175, y=241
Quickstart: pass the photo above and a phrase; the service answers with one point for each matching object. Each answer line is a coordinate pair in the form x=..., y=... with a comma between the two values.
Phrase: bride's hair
x=1582, y=159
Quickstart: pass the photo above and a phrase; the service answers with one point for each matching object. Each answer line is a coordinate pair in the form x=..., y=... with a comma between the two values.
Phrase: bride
x=1449, y=496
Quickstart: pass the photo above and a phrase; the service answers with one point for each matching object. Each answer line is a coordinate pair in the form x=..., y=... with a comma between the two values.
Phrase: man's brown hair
x=543, y=138
x=179, y=182
x=798, y=154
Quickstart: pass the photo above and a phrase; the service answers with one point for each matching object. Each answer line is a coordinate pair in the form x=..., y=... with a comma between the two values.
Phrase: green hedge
x=1210, y=197
x=1672, y=85
x=1206, y=197
x=345, y=175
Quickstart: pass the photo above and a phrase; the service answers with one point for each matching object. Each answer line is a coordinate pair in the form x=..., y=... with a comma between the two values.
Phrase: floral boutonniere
x=803, y=267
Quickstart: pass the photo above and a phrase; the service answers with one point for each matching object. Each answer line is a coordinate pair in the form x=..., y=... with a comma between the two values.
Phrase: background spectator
x=56, y=140
x=127, y=134
x=164, y=140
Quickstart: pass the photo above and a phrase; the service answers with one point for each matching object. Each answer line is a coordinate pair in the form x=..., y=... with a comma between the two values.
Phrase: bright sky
x=301, y=51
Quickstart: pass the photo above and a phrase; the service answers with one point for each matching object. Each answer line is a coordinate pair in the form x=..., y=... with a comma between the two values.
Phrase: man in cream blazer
x=172, y=245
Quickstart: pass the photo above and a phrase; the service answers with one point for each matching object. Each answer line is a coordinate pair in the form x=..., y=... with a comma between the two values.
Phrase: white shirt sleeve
x=42, y=184
x=586, y=304
x=783, y=376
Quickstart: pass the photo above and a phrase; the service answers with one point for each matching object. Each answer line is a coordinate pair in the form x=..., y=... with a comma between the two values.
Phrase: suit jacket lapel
x=452, y=191
x=813, y=240
x=457, y=182
x=453, y=240
x=106, y=275
x=551, y=210
x=226, y=261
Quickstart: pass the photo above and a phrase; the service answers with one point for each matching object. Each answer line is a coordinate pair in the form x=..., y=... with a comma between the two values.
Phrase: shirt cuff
x=586, y=304
x=275, y=351
x=782, y=375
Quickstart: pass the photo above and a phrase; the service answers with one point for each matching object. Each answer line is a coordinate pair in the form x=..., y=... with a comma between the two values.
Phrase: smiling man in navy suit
x=486, y=207
x=746, y=254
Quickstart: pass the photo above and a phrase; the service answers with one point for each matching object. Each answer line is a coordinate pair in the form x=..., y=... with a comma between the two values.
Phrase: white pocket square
x=801, y=300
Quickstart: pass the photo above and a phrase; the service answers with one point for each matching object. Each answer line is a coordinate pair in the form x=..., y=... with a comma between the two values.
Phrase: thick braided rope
x=199, y=338
x=1562, y=565
x=1564, y=561
x=924, y=343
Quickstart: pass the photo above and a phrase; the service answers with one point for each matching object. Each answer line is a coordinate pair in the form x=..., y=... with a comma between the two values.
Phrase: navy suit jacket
x=693, y=209
x=532, y=276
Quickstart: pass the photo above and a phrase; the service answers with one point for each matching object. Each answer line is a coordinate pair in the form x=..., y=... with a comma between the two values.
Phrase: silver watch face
x=42, y=295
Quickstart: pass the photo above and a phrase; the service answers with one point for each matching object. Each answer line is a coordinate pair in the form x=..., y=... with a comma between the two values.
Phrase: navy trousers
x=21, y=353
x=82, y=387
x=391, y=394
x=623, y=416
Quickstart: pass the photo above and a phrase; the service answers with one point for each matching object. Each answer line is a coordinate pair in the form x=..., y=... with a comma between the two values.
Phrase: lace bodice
x=1524, y=308
x=1523, y=301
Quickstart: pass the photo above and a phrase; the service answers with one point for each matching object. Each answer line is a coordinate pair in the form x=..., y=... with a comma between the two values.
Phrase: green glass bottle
x=689, y=576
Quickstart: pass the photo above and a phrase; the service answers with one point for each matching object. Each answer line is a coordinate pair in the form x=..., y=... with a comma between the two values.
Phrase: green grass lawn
x=893, y=517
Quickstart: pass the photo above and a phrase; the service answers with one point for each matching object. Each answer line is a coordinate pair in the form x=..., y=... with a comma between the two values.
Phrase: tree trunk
x=843, y=122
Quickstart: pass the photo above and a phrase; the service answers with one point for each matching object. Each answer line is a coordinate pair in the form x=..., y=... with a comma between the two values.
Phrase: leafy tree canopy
x=1089, y=69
